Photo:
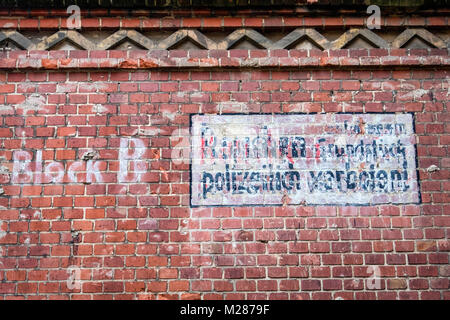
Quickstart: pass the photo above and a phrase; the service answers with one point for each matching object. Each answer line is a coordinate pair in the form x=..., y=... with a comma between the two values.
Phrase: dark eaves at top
x=241, y=4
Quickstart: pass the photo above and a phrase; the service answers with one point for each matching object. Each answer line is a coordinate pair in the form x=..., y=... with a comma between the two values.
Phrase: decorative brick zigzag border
x=205, y=43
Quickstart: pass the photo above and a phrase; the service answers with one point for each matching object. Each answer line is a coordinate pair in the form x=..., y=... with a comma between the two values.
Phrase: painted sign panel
x=318, y=159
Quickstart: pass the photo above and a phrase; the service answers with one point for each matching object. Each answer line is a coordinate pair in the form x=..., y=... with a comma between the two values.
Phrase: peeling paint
x=290, y=159
x=433, y=168
x=93, y=154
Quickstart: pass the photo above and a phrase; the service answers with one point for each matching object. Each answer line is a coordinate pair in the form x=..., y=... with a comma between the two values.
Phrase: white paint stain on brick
x=232, y=106
x=183, y=228
x=170, y=115
x=414, y=94
x=91, y=86
x=24, y=86
x=296, y=107
x=170, y=248
x=148, y=224
x=66, y=87
x=180, y=142
x=446, y=86
x=93, y=171
x=128, y=159
x=149, y=131
x=196, y=95
x=37, y=215
x=98, y=108
x=344, y=105
x=34, y=102
x=2, y=252
x=407, y=86
x=121, y=211
x=2, y=229
x=6, y=109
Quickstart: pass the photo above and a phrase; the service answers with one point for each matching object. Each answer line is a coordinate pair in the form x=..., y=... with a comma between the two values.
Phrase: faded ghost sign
x=344, y=159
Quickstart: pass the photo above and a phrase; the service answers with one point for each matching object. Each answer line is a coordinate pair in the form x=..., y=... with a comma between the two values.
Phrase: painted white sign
x=318, y=159
x=132, y=166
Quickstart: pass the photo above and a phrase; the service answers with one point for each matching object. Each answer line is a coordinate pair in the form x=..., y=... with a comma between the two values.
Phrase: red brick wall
x=259, y=252
x=128, y=240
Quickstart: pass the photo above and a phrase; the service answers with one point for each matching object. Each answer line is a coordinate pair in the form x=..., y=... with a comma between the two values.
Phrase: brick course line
x=204, y=23
x=344, y=58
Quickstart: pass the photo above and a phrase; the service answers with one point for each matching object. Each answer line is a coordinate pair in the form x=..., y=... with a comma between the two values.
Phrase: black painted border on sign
x=306, y=205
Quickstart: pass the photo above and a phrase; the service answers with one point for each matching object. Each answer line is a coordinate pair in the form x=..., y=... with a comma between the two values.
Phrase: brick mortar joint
x=230, y=53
